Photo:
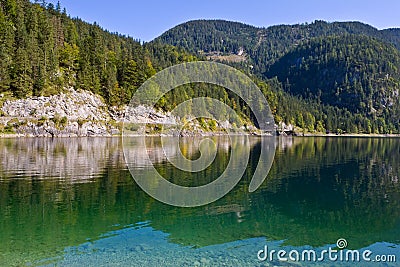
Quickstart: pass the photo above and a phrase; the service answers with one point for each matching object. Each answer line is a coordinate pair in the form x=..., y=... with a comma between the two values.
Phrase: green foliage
x=263, y=46
x=347, y=71
x=321, y=76
x=59, y=122
x=320, y=127
x=356, y=74
x=11, y=125
x=203, y=123
x=133, y=127
x=81, y=122
x=212, y=125
x=153, y=128
x=44, y=50
x=7, y=129
x=42, y=121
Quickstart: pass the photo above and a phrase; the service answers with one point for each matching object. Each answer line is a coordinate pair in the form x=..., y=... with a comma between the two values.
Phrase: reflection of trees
x=319, y=189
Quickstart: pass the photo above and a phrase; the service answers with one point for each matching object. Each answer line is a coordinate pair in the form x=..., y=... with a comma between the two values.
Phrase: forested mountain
x=43, y=50
x=347, y=72
x=354, y=72
x=263, y=46
x=339, y=77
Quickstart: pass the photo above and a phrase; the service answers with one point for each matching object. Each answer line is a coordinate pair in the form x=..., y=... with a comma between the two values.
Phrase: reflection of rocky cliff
x=75, y=159
x=158, y=149
x=80, y=159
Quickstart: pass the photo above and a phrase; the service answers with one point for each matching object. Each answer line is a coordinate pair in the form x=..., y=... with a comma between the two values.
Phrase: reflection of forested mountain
x=325, y=188
x=318, y=190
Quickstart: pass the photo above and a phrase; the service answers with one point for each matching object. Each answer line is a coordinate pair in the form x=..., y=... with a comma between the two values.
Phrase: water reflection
x=74, y=160
x=318, y=189
x=223, y=168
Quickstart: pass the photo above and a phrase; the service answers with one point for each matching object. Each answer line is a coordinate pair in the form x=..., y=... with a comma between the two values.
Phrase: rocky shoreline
x=79, y=113
x=70, y=114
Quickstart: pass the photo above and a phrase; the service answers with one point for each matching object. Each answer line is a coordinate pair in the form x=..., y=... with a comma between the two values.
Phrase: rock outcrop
x=82, y=113
x=72, y=113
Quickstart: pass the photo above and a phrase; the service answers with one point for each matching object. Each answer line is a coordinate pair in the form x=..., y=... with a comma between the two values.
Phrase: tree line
x=311, y=77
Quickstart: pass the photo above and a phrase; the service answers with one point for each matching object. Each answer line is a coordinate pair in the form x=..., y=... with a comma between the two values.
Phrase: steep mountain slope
x=263, y=46
x=355, y=72
x=210, y=35
x=43, y=50
x=392, y=35
x=346, y=69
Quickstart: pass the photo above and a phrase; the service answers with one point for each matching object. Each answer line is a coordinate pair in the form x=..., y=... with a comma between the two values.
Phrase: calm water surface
x=72, y=202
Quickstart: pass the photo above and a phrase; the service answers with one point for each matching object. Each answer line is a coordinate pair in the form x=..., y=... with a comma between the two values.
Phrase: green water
x=73, y=202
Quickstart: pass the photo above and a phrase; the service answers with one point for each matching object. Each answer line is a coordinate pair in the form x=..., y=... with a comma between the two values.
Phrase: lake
x=73, y=202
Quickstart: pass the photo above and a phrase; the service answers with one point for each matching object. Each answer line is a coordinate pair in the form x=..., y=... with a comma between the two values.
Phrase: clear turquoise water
x=72, y=202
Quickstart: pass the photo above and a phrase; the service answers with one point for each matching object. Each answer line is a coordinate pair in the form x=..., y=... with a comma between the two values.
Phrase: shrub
x=42, y=120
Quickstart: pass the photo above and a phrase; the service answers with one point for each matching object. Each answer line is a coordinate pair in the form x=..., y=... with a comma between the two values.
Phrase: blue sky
x=147, y=19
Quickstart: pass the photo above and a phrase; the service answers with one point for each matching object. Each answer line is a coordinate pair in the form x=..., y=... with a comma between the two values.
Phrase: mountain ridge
x=363, y=63
x=353, y=27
